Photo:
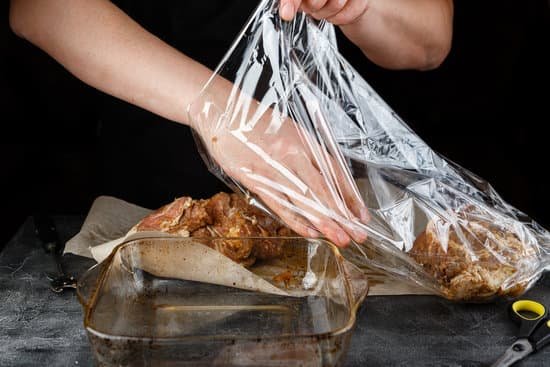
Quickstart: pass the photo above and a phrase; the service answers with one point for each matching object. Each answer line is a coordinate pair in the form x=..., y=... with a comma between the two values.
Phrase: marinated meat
x=223, y=215
x=180, y=217
x=473, y=259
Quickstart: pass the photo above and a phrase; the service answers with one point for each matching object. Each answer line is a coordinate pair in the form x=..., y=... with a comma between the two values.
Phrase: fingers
x=277, y=202
x=294, y=221
x=350, y=13
x=329, y=183
x=351, y=194
x=352, y=198
x=281, y=171
x=330, y=8
x=290, y=198
x=338, y=12
x=312, y=6
x=327, y=193
x=288, y=9
x=326, y=172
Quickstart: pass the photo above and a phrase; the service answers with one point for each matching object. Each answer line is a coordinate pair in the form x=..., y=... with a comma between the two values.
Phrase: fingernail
x=360, y=236
x=287, y=11
x=343, y=238
x=364, y=213
x=313, y=4
x=312, y=233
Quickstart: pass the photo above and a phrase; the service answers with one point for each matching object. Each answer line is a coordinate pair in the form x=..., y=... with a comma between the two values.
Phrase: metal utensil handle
x=541, y=337
x=47, y=233
x=519, y=350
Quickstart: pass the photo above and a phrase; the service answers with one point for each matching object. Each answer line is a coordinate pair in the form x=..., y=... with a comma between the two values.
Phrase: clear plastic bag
x=283, y=95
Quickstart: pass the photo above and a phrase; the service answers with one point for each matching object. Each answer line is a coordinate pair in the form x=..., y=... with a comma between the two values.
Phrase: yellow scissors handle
x=529, y=314
x=537, y=309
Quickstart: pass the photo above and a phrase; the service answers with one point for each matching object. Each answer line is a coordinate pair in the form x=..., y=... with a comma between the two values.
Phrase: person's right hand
x=289, y=171
x=338, y=12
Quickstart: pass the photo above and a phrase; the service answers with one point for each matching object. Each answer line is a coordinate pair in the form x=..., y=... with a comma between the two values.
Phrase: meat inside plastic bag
x=289, y=123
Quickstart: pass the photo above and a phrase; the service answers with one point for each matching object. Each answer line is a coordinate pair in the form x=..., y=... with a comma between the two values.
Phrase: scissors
x=47, y=233
x=534, y=331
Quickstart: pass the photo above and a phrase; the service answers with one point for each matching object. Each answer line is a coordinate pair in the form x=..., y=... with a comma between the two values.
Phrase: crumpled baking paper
x=110, y=219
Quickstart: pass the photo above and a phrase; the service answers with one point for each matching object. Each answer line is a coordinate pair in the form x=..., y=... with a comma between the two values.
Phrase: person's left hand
x=338, y=12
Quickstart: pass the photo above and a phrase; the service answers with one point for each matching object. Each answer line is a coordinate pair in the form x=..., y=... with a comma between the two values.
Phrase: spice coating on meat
x=223, y=215
x=473, y=259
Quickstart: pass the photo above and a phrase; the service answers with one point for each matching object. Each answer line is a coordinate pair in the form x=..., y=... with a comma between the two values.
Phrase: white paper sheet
x=110, y=219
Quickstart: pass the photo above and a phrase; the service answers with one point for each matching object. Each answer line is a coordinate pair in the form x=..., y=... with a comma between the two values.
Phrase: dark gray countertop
x=38, y=327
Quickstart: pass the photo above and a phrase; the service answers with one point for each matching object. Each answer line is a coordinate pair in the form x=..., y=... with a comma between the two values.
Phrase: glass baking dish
x=138, y=313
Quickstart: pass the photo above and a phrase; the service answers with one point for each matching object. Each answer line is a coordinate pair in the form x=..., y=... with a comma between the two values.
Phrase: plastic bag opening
x=288, y=122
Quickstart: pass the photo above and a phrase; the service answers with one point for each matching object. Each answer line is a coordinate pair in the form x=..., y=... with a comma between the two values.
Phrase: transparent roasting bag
x=289, y=123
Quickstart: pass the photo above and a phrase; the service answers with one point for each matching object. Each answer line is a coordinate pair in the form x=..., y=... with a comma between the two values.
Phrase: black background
x=63, y=143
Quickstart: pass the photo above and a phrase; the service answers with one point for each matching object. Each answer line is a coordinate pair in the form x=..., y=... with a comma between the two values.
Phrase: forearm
x=105, y=48
x=404, y=34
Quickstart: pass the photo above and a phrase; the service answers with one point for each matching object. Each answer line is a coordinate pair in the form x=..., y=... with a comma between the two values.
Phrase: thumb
x=288, y=9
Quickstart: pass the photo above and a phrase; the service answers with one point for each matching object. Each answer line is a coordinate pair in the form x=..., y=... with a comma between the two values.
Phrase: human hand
x=338, y=12
x=289, y=171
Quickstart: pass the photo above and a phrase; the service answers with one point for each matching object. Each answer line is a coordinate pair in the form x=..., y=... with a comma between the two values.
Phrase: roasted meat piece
x=473, y=259
x=223, y=215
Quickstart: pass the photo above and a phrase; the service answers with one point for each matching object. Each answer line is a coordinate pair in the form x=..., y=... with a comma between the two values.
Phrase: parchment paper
x=110, y=219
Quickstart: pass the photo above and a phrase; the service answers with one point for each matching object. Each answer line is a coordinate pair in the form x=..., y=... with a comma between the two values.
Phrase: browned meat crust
x=474, y=259
x=223, y=215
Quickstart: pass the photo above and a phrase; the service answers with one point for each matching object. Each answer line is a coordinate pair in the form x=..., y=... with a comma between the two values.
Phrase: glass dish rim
x=352, y=303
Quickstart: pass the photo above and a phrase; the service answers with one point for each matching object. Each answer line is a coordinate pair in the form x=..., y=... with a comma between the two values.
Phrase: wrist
x=206, y=108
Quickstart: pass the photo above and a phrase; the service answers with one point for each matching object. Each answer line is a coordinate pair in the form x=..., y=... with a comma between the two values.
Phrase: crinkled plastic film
x=287, y=121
